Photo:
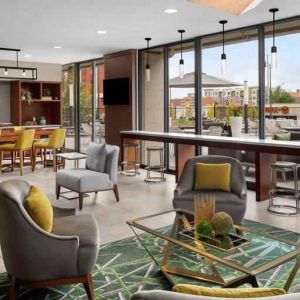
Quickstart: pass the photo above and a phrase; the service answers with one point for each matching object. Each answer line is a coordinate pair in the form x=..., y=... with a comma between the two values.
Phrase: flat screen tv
x=116, y=91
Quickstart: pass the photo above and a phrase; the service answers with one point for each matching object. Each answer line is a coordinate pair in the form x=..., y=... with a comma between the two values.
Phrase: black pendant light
x=17, y=72
x=148, y=69
x=181, y=61
x=223, y=55
x=274, y=48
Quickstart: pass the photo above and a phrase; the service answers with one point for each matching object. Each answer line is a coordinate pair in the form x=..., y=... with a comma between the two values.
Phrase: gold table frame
x=249, y=274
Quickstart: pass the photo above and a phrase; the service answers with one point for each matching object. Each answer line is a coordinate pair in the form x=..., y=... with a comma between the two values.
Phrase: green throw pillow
x=282, y=136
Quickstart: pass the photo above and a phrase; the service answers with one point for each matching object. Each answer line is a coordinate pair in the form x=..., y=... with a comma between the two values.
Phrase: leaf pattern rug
x=124, y=267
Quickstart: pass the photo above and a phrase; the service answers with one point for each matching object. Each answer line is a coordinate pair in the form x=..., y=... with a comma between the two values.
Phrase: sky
x=242, y=63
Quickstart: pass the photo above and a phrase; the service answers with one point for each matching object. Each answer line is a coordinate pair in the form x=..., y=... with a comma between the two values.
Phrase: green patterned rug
x=124, y=267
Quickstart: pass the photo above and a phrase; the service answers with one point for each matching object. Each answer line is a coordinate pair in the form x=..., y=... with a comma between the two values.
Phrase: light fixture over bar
x=17, y=72
x=236, y=7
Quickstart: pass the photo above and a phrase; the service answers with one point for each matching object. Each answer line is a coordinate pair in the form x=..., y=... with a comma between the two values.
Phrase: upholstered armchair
x=36, y=258
x=233, y=202
x=164, y=295
x=99, y=174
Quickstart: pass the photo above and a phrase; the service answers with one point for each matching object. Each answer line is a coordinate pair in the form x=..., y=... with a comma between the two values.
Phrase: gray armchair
x=91, y=178
x=234, y=202
x=36, y=258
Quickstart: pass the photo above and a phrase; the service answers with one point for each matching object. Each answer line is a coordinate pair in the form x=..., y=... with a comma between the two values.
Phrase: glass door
x=68, y=103
x=86, y=115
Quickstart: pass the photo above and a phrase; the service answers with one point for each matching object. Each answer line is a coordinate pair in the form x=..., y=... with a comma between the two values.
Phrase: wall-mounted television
x=116, y=91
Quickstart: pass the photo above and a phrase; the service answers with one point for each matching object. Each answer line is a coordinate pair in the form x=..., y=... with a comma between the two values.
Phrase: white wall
x=5, y=102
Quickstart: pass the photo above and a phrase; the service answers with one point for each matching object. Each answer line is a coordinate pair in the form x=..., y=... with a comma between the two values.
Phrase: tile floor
x=137, y=199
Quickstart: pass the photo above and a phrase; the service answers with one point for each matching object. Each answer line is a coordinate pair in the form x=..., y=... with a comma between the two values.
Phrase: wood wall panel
x=120, y=117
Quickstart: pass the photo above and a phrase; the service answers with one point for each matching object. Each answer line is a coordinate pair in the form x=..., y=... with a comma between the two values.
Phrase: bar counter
x=185, y=148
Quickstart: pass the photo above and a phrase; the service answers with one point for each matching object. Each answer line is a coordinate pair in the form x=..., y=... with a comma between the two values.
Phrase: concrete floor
x=137, y=199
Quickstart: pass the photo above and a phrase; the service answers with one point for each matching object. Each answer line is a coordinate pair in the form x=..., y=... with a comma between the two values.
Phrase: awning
x=208, y=81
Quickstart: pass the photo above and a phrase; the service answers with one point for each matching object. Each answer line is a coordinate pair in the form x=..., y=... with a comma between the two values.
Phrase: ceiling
x=36, y=26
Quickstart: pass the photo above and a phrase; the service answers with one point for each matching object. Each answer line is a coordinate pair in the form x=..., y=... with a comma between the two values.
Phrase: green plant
x=204, y=228
x=279, y=95
x=234, y=110
x=27, y=95
x=222, y=223
x=225, y=242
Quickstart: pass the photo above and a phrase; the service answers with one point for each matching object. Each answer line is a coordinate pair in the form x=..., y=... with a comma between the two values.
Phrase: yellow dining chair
x=23, y=144
x=56, y=141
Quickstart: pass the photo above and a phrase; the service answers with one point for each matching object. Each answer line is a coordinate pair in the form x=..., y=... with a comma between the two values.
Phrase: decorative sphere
x=204, y=228
x=222, y=223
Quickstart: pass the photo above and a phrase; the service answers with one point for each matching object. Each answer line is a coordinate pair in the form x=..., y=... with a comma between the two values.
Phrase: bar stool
x=284, y=166
x=158, y=168
x=135, y=163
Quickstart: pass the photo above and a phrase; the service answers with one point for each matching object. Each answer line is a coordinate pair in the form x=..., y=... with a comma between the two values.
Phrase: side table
x=72, y=156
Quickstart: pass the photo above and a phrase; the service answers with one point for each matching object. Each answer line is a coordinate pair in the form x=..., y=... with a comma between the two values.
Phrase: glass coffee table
x=175, y=250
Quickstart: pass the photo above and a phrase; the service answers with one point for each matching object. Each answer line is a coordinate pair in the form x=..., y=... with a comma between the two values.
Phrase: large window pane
x=68, y=110
x=153, y=98
x=282, y=109
x=99, y=106
x=230, y=101
x=181, y=94
x=85, y=106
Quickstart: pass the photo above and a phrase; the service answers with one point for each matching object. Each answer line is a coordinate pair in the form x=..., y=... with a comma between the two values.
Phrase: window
x=282, y=83
x=181, y=94
x=241, y=48
x=68, y=109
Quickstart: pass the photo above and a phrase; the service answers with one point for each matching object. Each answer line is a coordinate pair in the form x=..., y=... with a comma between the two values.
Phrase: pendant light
x=148, y=69
x=181, y=61
x=17, y=72
x=223, y=55
x=274, y=48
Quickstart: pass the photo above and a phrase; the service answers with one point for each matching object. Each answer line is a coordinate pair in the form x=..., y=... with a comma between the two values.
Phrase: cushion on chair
x=85, y=227
x=39, y=208
x=212, y=176
x=227, y=293
x=7, y=147
x=40, y=144
x=83, y=180
x=96, y=157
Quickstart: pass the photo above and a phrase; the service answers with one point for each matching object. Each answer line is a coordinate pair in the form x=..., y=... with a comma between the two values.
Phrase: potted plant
x=26, y=95
x=42, y=121
x=234, y=114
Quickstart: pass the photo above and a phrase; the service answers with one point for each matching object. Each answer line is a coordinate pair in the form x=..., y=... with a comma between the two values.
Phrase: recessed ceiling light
x=170, y=11
x=101, y=31
x=57, y=47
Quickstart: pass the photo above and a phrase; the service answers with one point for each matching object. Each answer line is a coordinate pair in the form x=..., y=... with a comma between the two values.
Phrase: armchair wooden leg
x=12, y=161
x=80, y=200
x=1, y=160
x=54, y=160
x=13, y=291
x=45, y=157
x=88, y=285
x=21, y=162
x=116, y=191
x=34, y=158
x=57, y=192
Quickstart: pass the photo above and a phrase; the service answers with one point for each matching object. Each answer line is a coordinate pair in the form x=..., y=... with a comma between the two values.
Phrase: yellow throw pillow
x=212, y=177
x=227, y=293
x=39, y=208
